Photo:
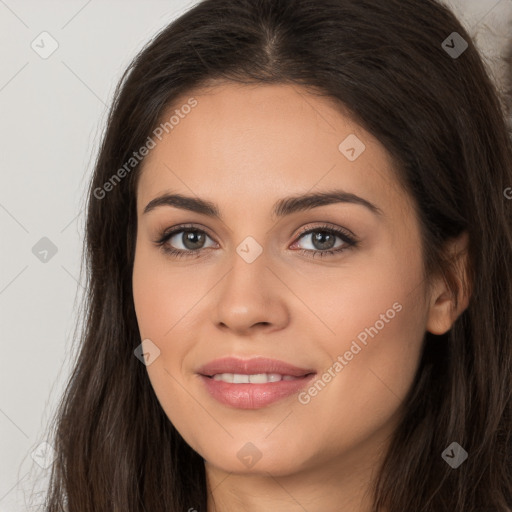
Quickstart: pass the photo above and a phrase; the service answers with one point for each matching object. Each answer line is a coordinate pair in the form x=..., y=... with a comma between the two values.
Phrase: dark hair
x=507, y=86
x=438, y=115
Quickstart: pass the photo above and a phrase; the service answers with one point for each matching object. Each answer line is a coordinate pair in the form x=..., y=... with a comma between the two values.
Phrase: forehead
x=254, y=143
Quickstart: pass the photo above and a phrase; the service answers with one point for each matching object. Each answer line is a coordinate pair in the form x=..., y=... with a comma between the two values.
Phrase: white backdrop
x=60, y=61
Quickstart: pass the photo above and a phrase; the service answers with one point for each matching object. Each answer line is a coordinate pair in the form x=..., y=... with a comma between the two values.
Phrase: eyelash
x=349, y=240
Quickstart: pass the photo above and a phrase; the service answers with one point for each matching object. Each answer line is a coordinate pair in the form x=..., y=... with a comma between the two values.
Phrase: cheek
x=378, y=297
x=147, y=294
x=378, y=320
x=161, y=304
x=162, y=294
x=166, y=299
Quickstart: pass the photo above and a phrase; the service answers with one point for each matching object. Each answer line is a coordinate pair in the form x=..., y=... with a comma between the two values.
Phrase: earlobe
x=445, y=307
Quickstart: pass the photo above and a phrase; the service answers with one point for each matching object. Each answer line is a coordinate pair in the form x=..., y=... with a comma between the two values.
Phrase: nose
x=251, y=297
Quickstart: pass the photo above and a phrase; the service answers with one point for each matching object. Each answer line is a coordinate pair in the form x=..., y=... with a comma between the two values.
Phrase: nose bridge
x=250, y=293
x=250, y=250
x=248, y=268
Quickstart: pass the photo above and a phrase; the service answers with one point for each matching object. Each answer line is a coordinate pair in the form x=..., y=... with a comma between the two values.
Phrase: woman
x=300, y=263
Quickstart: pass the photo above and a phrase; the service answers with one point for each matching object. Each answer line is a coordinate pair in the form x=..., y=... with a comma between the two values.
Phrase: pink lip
x=252, y=366
x=253, y=396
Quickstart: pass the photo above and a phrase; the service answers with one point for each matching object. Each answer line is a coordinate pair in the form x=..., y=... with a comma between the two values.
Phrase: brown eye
x=192, y=240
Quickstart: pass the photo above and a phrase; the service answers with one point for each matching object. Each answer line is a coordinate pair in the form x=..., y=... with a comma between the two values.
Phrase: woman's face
x=247, y=285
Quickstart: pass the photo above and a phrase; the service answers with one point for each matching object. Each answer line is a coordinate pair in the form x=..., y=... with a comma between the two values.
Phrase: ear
x=444, y=308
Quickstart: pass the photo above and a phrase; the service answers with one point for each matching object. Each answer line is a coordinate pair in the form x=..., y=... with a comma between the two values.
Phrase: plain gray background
x=52, y=113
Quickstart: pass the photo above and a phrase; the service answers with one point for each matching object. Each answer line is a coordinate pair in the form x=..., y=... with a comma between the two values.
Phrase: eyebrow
x=283, y=207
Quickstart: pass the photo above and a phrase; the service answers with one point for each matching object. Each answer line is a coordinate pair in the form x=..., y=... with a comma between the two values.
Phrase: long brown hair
x=388, y=64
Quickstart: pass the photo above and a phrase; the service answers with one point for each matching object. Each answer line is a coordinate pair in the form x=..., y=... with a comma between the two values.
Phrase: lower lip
x=253, y=396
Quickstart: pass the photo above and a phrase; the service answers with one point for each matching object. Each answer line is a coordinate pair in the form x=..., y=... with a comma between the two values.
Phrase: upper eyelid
x=327, y=226
x=167, y=234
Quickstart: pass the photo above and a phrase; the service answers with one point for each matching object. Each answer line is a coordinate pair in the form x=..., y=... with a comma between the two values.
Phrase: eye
x=323, y=239
x=192, y=240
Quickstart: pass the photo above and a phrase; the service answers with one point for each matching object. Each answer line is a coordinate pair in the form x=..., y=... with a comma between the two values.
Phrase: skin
x=243, y=148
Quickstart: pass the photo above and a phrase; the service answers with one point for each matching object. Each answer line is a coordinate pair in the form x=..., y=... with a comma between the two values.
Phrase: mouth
x=253, y=383
x=257, y=368
x=255, y=378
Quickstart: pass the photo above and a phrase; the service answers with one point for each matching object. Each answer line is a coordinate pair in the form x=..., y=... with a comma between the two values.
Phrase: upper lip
x=251, y=367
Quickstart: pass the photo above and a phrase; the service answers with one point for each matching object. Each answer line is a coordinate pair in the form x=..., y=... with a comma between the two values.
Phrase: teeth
x=259, y=378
